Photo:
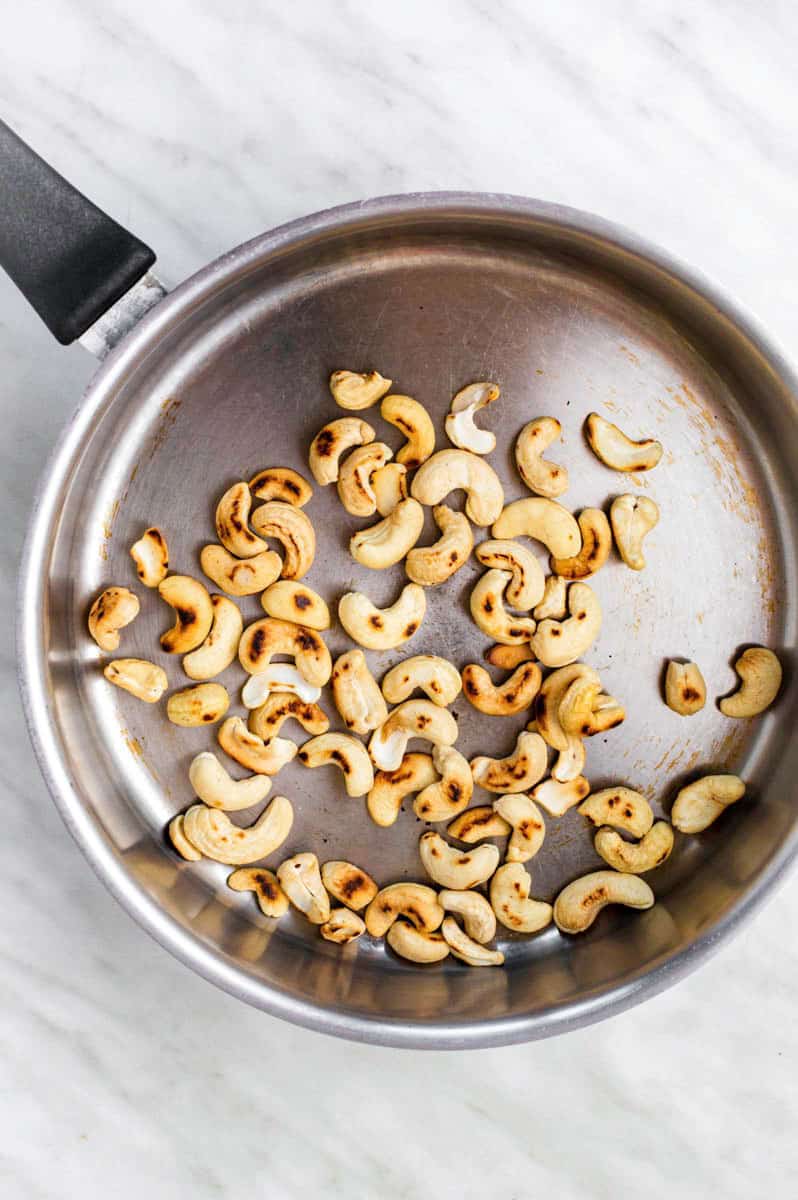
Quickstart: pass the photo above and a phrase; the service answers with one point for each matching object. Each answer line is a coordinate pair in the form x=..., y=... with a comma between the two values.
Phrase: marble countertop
x=199, y=125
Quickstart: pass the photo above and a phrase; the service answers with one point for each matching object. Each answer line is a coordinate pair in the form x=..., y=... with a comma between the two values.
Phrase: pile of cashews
x=541, y=625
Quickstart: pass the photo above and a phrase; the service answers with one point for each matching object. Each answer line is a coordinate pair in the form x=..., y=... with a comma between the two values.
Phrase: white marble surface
x=199, y=125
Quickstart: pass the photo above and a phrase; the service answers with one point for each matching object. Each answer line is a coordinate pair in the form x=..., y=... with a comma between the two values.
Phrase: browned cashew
x=391, y=787
x=477, y=824
x=510, y=697
x=193, y=613
x=232, y=522
x=507, y=658
x=268, y=718
x=596, y=546
x=151, y=556
x=240, y=576
x=113, y=609
x=291, y=527
x=269, y=636
x=281, y=483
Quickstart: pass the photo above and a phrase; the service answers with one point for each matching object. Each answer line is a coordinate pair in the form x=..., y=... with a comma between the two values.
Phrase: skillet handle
x=69, y=259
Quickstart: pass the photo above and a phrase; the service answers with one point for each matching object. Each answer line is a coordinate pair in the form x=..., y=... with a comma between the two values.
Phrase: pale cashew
x=558, y=643
x=450, y=470
x=271, y=898
x=240, y=576
x=700, y=803
x=202, y=704
x=632, y=518
x=342, y=926
x=635, y=858
x=232, y=522
x=142, y=679
x=509, y=898
x=527, y=823
x=389, y=485
x=620, y=807
x=760, y=674
x=278, y=677
x=220, y=646
x=348, y=884
x=356, y=693
x=542, y=520
x=570, y=761
x=547, y=709
x=281, y=483
x=269, y=636
x=413, y=718
x=596, y=546
x=355, y=391
x=300, y=879
x=250, y=751
x=193, y=611
x=451, y=793
x=268, y=718
x=386, y=543
x=431, y=565
x=151, y=556
x=554, y=602
x=453, y=868
x=487, y=609
x=477, y=824
x=417, y=902
x=383, y=628
x=177, y=836
x=509, y=657
x=332, y=441
x=291, y=601
x=292, y=528
x=428, y=673
x=216, y=788
x=558, y=797
x=391, y=787
x=466, y=949
x=414, y=422
x=545, y=478
x=527, y=585
x=578, y=904
x=214, y=834
x=478, y=916
x=355, y=489
x=459, y=424
x=346, y=753
x=510, y=697
x=113, y=609
x=616, y=450
x=685, y=690
x=415, y=944
x=519, y=771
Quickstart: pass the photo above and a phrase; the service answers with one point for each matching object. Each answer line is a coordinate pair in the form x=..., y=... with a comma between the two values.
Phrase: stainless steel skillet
x=227, y=374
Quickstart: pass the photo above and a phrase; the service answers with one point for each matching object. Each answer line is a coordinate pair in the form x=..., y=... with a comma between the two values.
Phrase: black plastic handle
x=66, y=256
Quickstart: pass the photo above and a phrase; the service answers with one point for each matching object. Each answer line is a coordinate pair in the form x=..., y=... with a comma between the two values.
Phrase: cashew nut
x=428, y=673
x=216, y=788
x=616, y=450
x=459, y=424
x=635, y=858
x=333, y=440
x=620, y=807
x=413, y=718
x=177, y=836
x=213, y=833
x=151, y=556
x=512, y=696
x=596, y=546
x=417, y=902
x=545, y=478
x=237, y=576
x=202, y=704
x=558, y=643
x=113, y=609
x=451, y=793
x=291, y=527
x=290, y=601
x=430, y=565
x=300, y=879
x=509, y=898
x=552, y=691
x=578, y=904
x=246, y=748
x=354, y=391
x=271, y=898
x=278, y=677
x=557, y=797
x=415, y=944
x=448, y=471
x=453, y=868
x=607, y=714
x=342, y=926
x=389, y=485
x=527, y=823
x=685, y=690
x=193, y=612
x=348, y=884
x=386, y=543
x=281, y=483
x=269, y=636
x=391, y=787
x=519, y=771
x=509, y=657
x=542, y=520
x=345, y=752
x=268, y=718
x=526, y=588
x=477, y=824
x=356, y=693
x=355, y=476
x=478, y=917
x=576, y=711
x=466, y=949
x=700, y=803
x=414, y=421
x=553, y=603
x=220, y=646
x=760, y=672
x=232, y=522
x=490, y=615
x=142, y=679
x=632, y=518
x=383, y=628
x=570, y=762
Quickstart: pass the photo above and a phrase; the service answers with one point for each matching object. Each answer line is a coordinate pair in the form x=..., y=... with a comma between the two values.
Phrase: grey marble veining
x=199, y=125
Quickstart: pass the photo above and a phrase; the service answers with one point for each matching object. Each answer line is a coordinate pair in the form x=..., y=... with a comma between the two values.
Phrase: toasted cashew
x=232, y=522
x=142, y=679
x=300, y=879
x=542, y=520
x=557, y=797
x=413, y=718
x=177, y=836
x=271, y=898
x=490, y=615
x=512, y=696
x=356, y=693
x=620, y=807
x=632, y=518
x=151, y=556
x=291, y=601
x=346, y=753
x=281, y=483
x=214, y=834
x=450, y=470
x=516, y=773
x=415, y=944
x=333, y=440
x=459, y=424
x=570, y=761
x=278, y=677
x=391, y=787
x=246, y=748
x=527, y=585
x=291, y=527
x=453, y=868
x=596, y=546
x=355, y=476
x=554, y=602
x=386, y=543
x=389, y=485
x=269, y=636
x=193, y=612
x=552, y=691
x=607, y=714
x=430, y=565
x=509, y=898
x=527, y=823
x=355, y=391
x=558, y=643
x=215, y=787
x=507, y=658
x=478, y=916
x=477, y=824
x=342, y=926
x=220, y=646
x=760, y=674
x=466, y=949
x=575, y=713
x=113, y=609
x=451, y=793
x=202, y=704
x=635, y=858
x=383, y=628
x=414, y=421
x=578, y=904
x=685, y=690
x=616, y=450
x=348, y=884
x=240, y=576
x=428, y=673
x=700, y=803
x=268, y=718
x=540, y=476
x=417, y=902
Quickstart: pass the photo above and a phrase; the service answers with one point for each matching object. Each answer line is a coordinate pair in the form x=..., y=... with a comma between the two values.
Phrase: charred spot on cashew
x=348, y=884
x=151, y=556
x=263, y=639
x=240, y=576
x=290, y=601
x=507, y=658
x=386, y=543
x=413, y=718
x=558, y=797
x=232, y=522
x=276, y=678
x=193, y=613
x=616, y=450
x=268, y=718
x=250, y=751
x=760, y=679
x=452, y=470
x=416, y=902
x=215, y=787
x=700, y=803
x=596, y=546
x=413, y=420
x=355, y=391
x=292, y=528
x=331, y=442
x=554, y=602
x=559, y=643
x=431, y=565
x=451, y=793
x=389, y=484
x=510, y=900
x=540, y=476
x=516, y=773
x=300, y=879
x=142, y=679
x=355, y=476
x=477, y=824
x=542, y=520
x=415, y=944
x=215, y=836
x=460, y=427
x=202, y=704
x=271, y=898
x=453, y=868
x=220, y=646
x=487, y=608
x=177, y=836
x=344, y=752
x=635, y=858
x=466, y=949
x=113, y=609
x=552, y=691
x=578, y=904
x=342, y=926
x=526, y=587
x=383, y=628
x=428, y=673
x=620, y=807
x=510, y=697
x=281, y=483
x=528, y=826
x=632, y=517
x=477, y=915
x=391, y=787
x=356, y=693
x=685, y=690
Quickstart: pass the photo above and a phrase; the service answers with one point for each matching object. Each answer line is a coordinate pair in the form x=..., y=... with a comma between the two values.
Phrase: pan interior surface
x=228, y=376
